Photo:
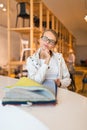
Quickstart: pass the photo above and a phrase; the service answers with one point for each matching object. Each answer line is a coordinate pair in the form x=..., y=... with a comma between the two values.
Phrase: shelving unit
x=46, y=20
x=30, y=31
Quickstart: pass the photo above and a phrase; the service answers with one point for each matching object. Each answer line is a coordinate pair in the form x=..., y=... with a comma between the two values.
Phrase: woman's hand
x=45, y=54
x=58, y=83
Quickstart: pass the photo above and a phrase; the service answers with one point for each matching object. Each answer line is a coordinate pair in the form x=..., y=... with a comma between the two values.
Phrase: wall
x=4, y=46
x=81, y=53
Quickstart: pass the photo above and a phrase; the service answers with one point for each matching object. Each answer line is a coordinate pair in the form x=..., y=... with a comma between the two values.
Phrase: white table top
x=69, y=114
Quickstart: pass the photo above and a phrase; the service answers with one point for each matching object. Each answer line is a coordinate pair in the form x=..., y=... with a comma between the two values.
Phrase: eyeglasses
x=50, y=41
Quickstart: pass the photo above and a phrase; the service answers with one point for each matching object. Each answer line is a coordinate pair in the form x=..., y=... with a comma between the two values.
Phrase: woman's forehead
x=49, y=34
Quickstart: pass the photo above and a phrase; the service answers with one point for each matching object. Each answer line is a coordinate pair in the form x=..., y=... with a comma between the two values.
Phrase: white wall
x=4, y=46
x=81, y=53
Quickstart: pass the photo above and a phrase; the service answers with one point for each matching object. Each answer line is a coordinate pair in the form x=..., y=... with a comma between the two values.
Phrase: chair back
x=22, y=12
x=84, y=80
x=36, y=21
x=22, y=9
x=24, y=43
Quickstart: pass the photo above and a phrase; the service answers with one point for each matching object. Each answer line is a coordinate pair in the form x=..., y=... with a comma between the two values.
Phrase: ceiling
x=70, y=12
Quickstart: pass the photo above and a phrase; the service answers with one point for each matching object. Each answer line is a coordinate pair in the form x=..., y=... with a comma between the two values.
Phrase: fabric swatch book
x=26, y=91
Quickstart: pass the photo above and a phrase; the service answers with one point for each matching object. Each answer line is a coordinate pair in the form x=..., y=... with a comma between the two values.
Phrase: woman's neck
x=42, y=55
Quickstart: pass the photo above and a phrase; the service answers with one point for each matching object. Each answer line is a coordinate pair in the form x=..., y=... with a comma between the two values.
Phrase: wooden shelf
x=17, y=63
x=26, y=30
x=37, y=1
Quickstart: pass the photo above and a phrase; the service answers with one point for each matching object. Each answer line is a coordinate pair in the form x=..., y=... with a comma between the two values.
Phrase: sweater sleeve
x=35, y=72
x=65, y=76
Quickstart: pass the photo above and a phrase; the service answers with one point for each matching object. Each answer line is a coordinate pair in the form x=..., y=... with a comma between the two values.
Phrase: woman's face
x=48, y=41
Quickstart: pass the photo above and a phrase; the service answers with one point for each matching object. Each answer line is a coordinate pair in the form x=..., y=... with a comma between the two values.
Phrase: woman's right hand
x=46, y=55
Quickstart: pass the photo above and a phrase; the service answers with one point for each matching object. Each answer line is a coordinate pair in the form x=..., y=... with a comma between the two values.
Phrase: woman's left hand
x=57, y=81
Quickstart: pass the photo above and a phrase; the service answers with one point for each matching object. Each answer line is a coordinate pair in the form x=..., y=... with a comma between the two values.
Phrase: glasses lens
x=46, y=39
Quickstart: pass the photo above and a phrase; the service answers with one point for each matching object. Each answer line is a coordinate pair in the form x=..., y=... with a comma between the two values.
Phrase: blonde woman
x=45, y=64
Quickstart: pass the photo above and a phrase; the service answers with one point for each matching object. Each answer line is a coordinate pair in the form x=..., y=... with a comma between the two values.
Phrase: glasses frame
x=46, y=39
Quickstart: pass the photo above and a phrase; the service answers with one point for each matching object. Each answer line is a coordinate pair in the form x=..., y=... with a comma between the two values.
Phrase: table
x=69, y=114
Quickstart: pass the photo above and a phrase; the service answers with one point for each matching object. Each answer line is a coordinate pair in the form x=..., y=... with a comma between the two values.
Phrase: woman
x=46, y=64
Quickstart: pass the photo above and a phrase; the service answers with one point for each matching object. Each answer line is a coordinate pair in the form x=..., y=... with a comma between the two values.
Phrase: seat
x=84, y=81
x=24, y=49
x=22, y=12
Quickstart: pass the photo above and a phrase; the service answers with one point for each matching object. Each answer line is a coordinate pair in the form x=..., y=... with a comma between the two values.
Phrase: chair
x=24, y=48
x=22, y=12
x=72, y=86
x=84, y=81
x=36, y=21
x=44, y=24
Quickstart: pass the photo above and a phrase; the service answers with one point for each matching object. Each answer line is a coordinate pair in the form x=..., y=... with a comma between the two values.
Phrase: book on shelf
x=26, y=91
